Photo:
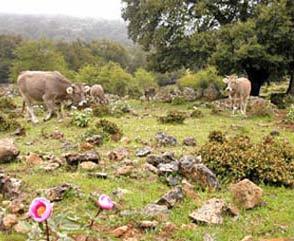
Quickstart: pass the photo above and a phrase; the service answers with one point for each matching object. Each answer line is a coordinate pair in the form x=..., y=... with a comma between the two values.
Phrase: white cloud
x=108, y=9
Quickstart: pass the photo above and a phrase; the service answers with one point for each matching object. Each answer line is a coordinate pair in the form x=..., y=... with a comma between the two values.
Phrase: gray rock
x=8, y=150
x=101, y=175
x=189, y=141
x=74, y=159
x=173, y=180
x=168, y=168
x=166, y=157
x=58, y=193
x=188, y=161
x=210, y=212
x=171, y=198
x=165, y=140
x=155, y=210
x=145, y=151
x=148, y=224
x=189, y=94
x=10, y=187
x=95, y=140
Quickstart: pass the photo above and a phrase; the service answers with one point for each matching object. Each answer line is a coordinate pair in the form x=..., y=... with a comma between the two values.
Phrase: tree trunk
x=290, y=90
x=257, y=77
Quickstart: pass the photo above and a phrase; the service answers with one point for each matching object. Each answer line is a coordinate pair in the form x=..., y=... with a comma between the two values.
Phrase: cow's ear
x=87, y=88
x=226, y=80
x=69, y=90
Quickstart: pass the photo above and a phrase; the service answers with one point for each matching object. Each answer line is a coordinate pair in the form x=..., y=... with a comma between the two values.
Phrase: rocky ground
x=161, y=187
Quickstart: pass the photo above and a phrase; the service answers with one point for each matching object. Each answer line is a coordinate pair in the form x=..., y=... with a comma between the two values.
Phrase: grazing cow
x=97, y=94
x=149, y=93
x=51, y=88
x=239, y=91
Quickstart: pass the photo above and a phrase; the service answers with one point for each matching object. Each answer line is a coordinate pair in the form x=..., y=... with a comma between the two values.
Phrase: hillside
x=63, y=27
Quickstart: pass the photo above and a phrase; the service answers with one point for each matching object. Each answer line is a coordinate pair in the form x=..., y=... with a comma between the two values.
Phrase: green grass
x=275, y=219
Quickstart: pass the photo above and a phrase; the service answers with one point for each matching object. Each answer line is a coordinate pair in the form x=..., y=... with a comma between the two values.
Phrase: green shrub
x=216, y=136
x=202, y=79
x=179, y=100
x=196, y=113
x=7, y=124
x=271, y=161
x=108, y=128
x=7, y=104
x=81, y=118
x=261, y=108
x=173, y=117
x=120, y=107
x=290, y=114
x=144, y=79
x=281, y=100
x=101, y=110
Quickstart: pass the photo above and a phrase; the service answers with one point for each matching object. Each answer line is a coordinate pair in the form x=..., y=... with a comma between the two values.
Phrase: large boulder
x=8, y=150
x=189, y=94
x=246, y=194
x=164, y=139
x=75, y=159
x=211, y=93
x=171, y=198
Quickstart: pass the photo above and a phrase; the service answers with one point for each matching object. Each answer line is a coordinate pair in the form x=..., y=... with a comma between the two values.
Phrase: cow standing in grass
x=239, y=92
x=97, y=94
x=50, y=88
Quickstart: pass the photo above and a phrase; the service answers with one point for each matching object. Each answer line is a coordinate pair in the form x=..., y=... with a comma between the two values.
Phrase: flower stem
x=93, y=220
x=47, y=230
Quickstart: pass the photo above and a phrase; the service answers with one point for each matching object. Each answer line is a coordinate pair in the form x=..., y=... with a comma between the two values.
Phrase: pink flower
x=40, y=209
x=105, y=202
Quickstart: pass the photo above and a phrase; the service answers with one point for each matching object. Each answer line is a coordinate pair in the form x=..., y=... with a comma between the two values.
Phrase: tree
x=7, y=46
x=144, y=79
x=37, y=55
x=252, y=37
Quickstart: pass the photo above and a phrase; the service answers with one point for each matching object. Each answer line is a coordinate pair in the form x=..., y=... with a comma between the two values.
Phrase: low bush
x=196, y=113
x=281, y=100
x=108, y=128
x=173, y=117
x=7, y=124
x=120, y=107
x=290, y=114
x=271, y=161
x=7, y=104
x=101, y=110
x=81, y=118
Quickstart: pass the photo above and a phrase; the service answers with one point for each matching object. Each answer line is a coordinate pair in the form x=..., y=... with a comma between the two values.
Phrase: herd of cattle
x=53, y=90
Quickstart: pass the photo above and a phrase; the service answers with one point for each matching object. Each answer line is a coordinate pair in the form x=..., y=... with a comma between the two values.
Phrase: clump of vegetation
x=216, y=136
x=101, y=110
x=120, y=107
x=281, y=100
x=173, y=117
x=261, y=108
x=290, y=114
x=108, y=128
x=196, y=113
x=81, y=118
x=7, y=104
x=7, y=124
x=270, y=161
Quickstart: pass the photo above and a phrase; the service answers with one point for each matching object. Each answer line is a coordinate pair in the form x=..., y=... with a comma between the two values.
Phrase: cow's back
x=244, y=87
x=97, y=91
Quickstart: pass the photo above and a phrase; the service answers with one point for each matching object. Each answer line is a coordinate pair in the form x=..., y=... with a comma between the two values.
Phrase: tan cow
x=97, y=94
x=51, y=88
x=239, y=91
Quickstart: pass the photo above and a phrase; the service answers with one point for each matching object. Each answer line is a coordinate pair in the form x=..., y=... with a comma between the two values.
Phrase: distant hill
x=61, y=27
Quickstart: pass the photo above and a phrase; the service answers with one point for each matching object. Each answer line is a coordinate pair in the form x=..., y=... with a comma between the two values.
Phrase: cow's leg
x=49, y=102
x=30, y=110
x=245, y=105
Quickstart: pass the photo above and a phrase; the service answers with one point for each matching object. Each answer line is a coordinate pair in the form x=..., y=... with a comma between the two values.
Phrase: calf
x=239, y=91
x=50, y=88
x=97, y=94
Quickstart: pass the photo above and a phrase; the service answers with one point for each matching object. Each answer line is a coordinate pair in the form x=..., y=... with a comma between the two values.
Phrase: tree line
x=250, y=37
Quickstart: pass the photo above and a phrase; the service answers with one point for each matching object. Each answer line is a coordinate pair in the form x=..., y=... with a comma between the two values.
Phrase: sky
x=106, y=9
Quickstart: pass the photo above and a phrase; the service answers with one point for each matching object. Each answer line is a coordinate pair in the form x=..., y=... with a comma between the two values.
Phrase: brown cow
x=239, y=92
x=52, y=88
x=97, y=94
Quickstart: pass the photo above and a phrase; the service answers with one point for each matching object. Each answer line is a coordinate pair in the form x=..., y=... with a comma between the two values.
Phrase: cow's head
x=77, y=94
x=232, y=82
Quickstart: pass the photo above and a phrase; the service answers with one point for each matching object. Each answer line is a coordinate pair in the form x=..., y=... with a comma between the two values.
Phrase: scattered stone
x=88, y=166
x=246, y=194
x=9, y=221
x=168, y=168
x=96, y=140
x=208, y=237
x=120, y=231
x=171, y=198
x=21, y=227
x=124, y=171
x=120, y=193
x=118, y=154
x=173, y=180
x=189, y=141
x=165, y=140
x=74, y=159
x=189, y=226
x=151, y=168
x=188, y=190
x=210, y=212
x=189, y=94
x=57, y=193
x=166, y=157
x=155, y=210
x=17, y=206
x=148, y=224
x=8, y=150
x=169, y=227
x=198, y=172
x=57, y=135
x=101, y=175
x=125, y=140
x=33, y=159
x=10, y=187
x=19, y=132
x=51, y=166
x=86, y=146
x=275, y=133
x=247, y=238
x=232, y=210
x=145, y=151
